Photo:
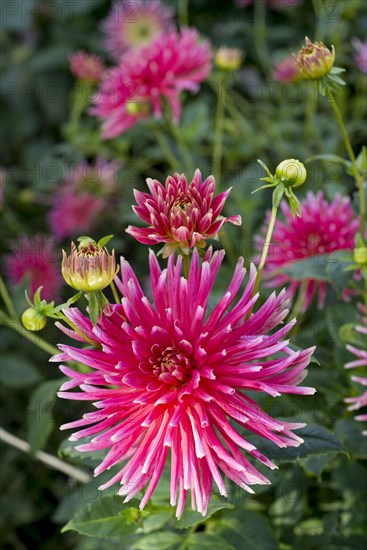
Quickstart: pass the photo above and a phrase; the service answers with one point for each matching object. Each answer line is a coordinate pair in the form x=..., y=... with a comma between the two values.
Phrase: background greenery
x=317, y=498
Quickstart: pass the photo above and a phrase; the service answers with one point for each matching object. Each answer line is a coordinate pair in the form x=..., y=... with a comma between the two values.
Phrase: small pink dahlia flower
x=81, y=198
x=360, y=54
x=86, y=66
x=285, y=71
x=36, y=261
x=135, y=24
x=169, y=376
x=324, y=228
x=360, y=401
x=181, y=215
x=172, y=63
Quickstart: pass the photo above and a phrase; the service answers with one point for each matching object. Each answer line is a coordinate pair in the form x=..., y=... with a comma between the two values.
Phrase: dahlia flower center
x=172, y=367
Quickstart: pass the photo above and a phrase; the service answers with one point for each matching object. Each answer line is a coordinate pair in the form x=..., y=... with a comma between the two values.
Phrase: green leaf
x=108, y=517
x=93, y=458
x=317, y=440
x=156, y=520
x=190, y=518
x=350, y=433
x=329, y=267
x=203, y=541
x=40, y=421
x=162, y=540
x=105, y=240
x=246, y=531
x=17, y=372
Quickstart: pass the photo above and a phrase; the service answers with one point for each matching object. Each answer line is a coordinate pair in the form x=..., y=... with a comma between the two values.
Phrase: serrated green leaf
x=108, y=517
x=317, y=440
x=161, y=540
x=40, y=421
x=16, y=371
x=190, y=518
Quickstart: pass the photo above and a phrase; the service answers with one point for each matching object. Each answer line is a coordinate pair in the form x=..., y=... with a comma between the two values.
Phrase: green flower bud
x=89, y=269
x=315, y=60
x=137, y=108
x=291, y=172
x=360, y=255
x=228, y=59
x=33, y=319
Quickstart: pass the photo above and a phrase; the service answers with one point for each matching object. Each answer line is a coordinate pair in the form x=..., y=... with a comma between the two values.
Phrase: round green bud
x=291, y=172
x=33, y=320
x=228, y=59
x=360, y=255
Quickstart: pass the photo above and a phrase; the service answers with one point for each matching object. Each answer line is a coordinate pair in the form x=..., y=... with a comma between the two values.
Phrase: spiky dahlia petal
x=325, y=227
x=169, y=377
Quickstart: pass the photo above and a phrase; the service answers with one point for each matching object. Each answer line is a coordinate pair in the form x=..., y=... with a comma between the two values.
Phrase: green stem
x=32, y=337
x=260, y=35
x=114, y=292
x=297, y=308
x=7, y=300
x=348, y=146
x=181, y=144
x=186, y=264
x=183, y=13
x=218, y=133
x=163, y=144
x=265, y=249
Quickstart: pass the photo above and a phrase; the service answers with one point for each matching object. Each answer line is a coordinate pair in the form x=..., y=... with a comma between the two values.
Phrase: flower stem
x=46, y=458
x=181, y=143
x=218, y=133
x=265, y=249
x=32, y=337
x=114, y=292
x=297, y=308
x=7, y=300
x=163, y=144
x=348, y=146
x=186, y=264
x=183, y=13
x=260, y=35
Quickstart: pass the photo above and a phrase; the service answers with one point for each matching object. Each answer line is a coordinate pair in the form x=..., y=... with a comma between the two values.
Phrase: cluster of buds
x=289, y=173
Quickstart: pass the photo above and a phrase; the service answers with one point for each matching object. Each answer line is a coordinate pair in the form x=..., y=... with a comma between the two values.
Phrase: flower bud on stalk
x=315, y=60
x=89, y=269
x=228, y=59
x=33, y=320
x=291, y=172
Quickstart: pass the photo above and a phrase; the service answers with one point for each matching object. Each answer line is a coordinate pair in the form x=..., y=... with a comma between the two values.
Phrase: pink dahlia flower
x=86, y=66
x=172, y=63
x=82, y=198
x=35, y=260
x=360, y=54
x=168, y=376
x=180, y=215
x=324, y=228
x=360, y=401
x=135, y=24
x=285, y=71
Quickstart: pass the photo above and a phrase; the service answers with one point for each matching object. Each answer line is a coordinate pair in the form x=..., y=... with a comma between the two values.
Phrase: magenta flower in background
x=360, y=401
x=360, y=54
x=170, y=376
x=172, y=63
x=86, y=66
x=179, y=214
x=285, y=71
x=324, y=228
x=135, y=24
x=35, y=260
x=82, y=197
